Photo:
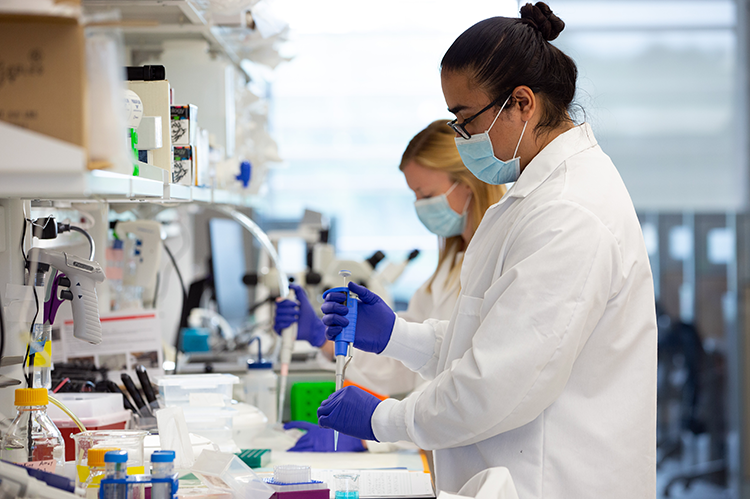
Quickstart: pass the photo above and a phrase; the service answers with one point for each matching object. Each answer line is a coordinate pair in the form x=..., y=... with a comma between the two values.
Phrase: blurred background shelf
x=146, y=24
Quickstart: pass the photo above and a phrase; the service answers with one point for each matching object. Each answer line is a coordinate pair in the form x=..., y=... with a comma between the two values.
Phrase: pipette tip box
x=255, y=458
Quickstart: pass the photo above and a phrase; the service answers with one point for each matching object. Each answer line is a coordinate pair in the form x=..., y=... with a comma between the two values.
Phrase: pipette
x=343, y=341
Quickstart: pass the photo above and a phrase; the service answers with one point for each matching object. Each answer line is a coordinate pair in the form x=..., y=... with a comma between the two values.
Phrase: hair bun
x=541, y=17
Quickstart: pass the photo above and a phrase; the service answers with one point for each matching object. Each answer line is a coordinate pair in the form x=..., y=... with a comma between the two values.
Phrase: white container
x=260, y=388
x=197, y=390
x=87, y=405
x=212, y=423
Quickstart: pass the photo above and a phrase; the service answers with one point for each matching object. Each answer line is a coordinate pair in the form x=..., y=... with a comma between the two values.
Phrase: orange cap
x=96, y=456
x=31, y=396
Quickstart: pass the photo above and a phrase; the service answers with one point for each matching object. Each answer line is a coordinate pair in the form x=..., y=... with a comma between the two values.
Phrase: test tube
x=115, y=466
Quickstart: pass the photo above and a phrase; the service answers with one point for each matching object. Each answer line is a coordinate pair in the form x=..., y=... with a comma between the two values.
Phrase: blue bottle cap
x=254, y=364
x=116, y=456
x=162, y=456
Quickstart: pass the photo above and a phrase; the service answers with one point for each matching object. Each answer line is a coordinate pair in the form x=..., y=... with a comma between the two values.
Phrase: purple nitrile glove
x=310, y=329
x=319, y=439
x=349, y=411
x=375, y=319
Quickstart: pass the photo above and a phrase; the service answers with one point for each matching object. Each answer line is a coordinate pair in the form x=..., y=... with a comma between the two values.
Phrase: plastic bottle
x=33, y=440
x=115, y=467
x=95, y=462
x=162, y=466
x=40, y=346
x=260, y=387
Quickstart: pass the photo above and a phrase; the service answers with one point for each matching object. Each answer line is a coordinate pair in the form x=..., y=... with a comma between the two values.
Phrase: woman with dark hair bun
x=547, y=366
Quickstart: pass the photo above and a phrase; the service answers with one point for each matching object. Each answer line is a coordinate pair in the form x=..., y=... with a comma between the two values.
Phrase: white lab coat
x=492, y=483
x=389, y=376
x=548, y=364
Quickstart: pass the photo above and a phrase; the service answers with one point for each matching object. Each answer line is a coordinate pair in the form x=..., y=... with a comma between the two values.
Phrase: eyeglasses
x=460, y=129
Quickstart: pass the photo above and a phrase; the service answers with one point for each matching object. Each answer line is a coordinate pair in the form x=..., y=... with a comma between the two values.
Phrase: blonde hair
x=435, y=148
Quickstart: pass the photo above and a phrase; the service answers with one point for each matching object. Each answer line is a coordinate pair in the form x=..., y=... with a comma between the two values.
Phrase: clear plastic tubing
x=115, y=467
x=162, y=466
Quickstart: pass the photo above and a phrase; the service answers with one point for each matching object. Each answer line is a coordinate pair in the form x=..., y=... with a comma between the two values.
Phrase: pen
x=146, y=386
x=113, y=388
x=133, y=391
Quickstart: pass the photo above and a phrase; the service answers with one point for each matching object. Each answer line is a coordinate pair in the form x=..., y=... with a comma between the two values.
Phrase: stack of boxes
x=184, y=130
x=206, y=401
x=191, y=164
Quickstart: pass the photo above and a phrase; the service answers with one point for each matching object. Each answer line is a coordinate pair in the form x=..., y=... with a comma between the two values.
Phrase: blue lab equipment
x=344, y=339
x=374, y=318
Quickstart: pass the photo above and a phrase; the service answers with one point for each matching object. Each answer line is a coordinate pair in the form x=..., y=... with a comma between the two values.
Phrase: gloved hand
x=349, y=411
x=319, y=439
x=310, y=329
x=375, y=319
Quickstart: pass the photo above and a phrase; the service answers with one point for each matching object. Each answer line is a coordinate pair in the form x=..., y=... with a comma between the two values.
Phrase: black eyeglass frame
x=459, y=127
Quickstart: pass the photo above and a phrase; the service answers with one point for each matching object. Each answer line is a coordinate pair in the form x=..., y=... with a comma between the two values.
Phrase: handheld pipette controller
x=83, y=275
x=343, y=341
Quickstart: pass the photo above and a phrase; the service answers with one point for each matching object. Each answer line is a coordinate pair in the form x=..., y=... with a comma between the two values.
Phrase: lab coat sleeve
x=549, y=289
x=417, y=345
x=388, y=375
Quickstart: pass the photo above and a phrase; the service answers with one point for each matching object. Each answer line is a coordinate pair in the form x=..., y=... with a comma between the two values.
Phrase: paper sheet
x=383, y=483
x=128, y=338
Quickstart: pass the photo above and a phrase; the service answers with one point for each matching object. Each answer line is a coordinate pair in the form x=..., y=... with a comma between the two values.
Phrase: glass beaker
x=130, y=441
x=347, y=486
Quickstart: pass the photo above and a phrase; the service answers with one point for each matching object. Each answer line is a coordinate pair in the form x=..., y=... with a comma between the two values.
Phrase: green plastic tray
x=306, y=398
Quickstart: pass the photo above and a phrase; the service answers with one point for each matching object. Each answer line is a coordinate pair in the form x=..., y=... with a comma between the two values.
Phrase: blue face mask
x=479, y=157
x=437, y=215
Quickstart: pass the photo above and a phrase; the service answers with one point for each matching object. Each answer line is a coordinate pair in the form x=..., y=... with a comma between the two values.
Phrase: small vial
x=33, y=440
x=162, y=466
x=95, y=462
x=115, y=467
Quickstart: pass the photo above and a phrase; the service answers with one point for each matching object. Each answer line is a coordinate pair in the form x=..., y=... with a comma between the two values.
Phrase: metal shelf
x=113, y=187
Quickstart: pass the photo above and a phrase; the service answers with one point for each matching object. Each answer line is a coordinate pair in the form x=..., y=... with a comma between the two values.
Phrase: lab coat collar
x=550, y=158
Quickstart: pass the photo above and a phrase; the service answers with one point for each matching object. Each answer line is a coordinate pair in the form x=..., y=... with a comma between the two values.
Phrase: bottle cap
x=116, y=456
x=254, y=364
x=96, y=456
x=31, y=396
x=162, y=456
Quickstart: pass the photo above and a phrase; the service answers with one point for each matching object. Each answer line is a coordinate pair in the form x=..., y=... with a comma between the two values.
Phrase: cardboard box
x=42, y=76
x=184, y=125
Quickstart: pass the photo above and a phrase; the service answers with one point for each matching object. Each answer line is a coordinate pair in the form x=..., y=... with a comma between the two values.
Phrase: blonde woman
x=450, y=202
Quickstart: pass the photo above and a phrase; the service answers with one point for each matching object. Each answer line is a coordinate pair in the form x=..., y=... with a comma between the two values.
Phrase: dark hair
x=501, y=53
